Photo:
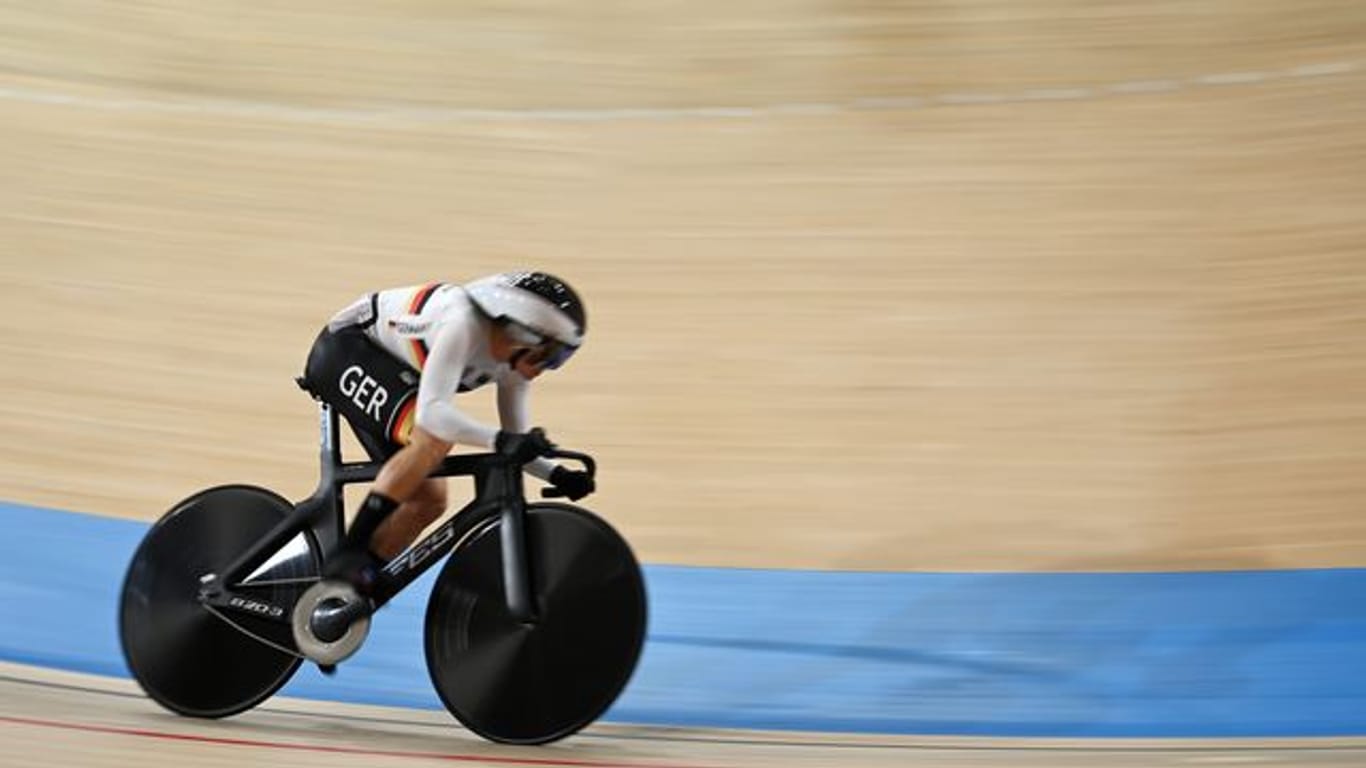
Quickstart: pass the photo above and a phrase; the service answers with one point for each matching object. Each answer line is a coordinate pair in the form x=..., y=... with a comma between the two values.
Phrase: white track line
x=1236, y=78
x=401, y=114
x=1145, y=86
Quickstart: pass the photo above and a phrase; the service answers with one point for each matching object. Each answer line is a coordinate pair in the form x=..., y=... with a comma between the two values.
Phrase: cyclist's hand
x=572, y=483
x=523, y=447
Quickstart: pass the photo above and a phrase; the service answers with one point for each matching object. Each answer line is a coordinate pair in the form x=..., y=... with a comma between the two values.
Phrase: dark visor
x=552, y=354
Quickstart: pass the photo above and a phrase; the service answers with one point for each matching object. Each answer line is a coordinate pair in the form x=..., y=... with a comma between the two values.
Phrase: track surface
x=962, y=286
x=971, y=285
x=49, y=719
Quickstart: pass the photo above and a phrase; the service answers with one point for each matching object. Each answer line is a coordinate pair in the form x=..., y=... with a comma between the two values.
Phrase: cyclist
x=392, y=362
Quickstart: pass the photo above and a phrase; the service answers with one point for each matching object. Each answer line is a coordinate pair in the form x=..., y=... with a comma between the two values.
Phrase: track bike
x=533, y=626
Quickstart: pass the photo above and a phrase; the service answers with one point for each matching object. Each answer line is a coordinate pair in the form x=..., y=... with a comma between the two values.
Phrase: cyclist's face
x=530, y=360
x=522, y=363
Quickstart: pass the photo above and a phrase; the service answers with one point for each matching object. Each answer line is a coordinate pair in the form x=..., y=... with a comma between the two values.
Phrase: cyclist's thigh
x=373, y=390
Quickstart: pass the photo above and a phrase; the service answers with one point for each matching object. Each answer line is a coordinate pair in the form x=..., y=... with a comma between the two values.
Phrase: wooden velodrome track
x=974, y=285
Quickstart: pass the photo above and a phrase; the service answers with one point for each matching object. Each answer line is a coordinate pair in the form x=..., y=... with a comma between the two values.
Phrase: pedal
x=334, y=610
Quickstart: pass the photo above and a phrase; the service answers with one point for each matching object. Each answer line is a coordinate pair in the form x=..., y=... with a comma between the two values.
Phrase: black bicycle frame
x=497, y=487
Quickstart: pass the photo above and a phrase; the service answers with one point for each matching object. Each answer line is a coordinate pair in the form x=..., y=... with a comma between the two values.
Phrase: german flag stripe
x=420, y=299
x=402, y=428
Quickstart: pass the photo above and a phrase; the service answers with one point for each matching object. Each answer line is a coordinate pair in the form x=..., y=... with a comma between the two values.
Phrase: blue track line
x=1193, y=655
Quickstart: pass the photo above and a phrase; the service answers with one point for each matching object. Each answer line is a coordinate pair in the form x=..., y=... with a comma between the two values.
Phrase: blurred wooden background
x=1097, y=301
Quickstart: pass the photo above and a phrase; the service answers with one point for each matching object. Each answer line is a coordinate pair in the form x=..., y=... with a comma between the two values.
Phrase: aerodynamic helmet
x=537, y=307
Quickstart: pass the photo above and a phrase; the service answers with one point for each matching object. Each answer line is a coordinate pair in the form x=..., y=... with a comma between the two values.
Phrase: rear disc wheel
x=185, y=657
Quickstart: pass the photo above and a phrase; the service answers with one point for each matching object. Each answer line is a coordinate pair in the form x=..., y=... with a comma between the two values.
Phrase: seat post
x=331, y=523
x=330, y=439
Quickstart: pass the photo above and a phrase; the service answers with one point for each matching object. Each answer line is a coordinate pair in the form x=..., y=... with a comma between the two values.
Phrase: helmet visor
x=551, y=355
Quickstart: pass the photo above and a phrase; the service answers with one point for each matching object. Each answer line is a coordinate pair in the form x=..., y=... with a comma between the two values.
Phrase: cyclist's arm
x=436, y=413
x=513, y=391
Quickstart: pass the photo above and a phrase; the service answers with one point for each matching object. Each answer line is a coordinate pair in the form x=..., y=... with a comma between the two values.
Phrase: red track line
x=325, y=749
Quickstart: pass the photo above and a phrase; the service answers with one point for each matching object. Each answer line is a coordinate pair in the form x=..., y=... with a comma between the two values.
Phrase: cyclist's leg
x=368, y=387
x=371, y=389
x=402, y=527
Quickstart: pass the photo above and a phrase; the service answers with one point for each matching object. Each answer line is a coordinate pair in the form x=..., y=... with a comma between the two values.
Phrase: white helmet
x=538, y=302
